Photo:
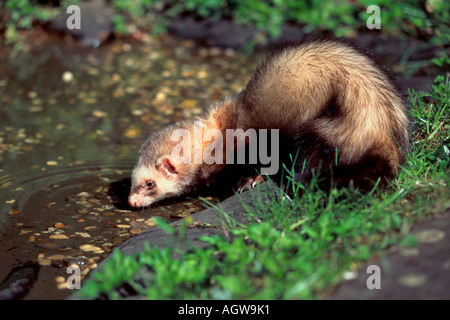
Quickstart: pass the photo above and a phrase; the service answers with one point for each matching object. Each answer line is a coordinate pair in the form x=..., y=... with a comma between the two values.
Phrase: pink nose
x=132, y=203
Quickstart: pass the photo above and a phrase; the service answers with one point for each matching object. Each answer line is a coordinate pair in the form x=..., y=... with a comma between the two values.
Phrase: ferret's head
x=164, y=168
x=151, y=182
x=158, y=174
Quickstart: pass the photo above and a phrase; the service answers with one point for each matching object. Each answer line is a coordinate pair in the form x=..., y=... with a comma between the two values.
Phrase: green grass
x=299, y=249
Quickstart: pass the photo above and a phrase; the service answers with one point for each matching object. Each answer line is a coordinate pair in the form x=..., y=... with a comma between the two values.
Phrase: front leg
x=252, y=182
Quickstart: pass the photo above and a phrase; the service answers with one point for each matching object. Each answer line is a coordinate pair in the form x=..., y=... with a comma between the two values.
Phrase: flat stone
x=59, y=237
x=83, y=234
x=135, y=231
x=91, y=248
x=44, y=262
x=83, y=211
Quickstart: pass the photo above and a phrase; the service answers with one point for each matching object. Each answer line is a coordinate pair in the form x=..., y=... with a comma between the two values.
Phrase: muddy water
x=71, y=122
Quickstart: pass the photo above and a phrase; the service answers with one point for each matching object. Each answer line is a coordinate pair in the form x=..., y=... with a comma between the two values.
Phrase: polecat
x=331, y=104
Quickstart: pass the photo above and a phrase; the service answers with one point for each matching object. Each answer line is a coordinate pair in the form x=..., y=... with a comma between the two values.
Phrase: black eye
x=150, y=184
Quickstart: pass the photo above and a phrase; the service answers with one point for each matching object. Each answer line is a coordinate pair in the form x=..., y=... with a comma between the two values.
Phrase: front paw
x=251, y=182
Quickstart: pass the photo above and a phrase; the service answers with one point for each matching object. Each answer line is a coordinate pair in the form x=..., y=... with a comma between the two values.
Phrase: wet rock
x=222, y=33
x=96, y=23
x=59, y=236
x=150, y=222
x=91, y=248
x=83, y=211
x=44, y=262
x=62, y=285
x=83, y=234
x=92, y=266
x=60, y=279
x=135, y=231
x=19, y=281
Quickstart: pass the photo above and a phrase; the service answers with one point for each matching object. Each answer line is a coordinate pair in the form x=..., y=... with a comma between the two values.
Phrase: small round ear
x=166, y=166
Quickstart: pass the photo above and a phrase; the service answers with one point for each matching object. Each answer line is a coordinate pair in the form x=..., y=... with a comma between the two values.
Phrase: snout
x=137, y=200
x=132, y=203
x=132, y=200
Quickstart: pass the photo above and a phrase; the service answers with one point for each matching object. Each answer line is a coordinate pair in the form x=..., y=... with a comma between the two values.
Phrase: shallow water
x=71, y=122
